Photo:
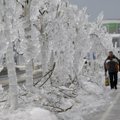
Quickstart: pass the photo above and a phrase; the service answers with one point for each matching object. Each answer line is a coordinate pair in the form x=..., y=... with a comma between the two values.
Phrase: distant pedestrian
x=111, y=66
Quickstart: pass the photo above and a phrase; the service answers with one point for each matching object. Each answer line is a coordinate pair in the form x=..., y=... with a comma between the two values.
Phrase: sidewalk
x=111, y=112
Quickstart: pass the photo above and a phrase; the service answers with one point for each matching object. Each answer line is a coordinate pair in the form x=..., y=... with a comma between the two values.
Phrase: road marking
x=106, y=114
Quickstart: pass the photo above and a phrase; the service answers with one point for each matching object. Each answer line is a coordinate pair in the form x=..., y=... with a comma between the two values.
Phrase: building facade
x=113, y=28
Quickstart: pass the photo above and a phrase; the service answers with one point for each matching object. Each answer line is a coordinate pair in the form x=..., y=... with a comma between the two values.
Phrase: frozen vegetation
x=49, y=40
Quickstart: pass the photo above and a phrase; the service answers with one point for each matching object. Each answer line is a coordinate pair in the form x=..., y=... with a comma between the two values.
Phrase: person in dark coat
x=111, y=65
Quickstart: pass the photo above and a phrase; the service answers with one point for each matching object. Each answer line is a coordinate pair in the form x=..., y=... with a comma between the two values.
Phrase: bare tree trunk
x=10, y=63
x=44, y=51
x=12, y=77
x=29, y=75
x=27, y=30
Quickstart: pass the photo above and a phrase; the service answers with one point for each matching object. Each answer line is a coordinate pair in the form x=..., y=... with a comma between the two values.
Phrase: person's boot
x=112, y=87
x=116, y=87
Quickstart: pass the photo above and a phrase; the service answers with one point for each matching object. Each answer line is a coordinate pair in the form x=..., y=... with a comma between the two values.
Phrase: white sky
x=111, y=8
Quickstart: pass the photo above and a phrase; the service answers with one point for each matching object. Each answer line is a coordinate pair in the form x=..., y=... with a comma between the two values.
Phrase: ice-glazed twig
x=50, y=71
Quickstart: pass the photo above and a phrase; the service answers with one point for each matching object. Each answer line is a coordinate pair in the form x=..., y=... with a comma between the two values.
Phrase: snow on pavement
x=110, y=111
x=113, y=112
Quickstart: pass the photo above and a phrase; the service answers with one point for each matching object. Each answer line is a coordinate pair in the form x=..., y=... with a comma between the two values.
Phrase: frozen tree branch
x=42, y=13
x=49, y=72
x=58, y=109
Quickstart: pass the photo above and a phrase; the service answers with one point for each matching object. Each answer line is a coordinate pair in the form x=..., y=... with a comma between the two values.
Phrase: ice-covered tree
x=82, y=41
x=52, y=33
x=28, y=44
x=8, y=20
x=62, y=27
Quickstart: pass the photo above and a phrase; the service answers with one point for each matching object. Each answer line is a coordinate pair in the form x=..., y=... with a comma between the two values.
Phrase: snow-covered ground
x=57, y=37
x=64, y=102
x=27, y=114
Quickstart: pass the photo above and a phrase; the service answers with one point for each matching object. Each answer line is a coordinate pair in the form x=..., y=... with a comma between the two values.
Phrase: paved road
x=111, y=112
x=21, y=76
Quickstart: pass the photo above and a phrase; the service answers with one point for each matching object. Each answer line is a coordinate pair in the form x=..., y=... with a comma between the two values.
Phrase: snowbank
x=29, y=114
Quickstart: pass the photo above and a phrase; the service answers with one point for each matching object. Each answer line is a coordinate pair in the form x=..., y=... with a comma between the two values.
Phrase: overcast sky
x=111, y=8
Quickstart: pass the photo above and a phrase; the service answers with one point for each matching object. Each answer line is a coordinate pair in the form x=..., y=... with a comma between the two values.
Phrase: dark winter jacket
x=111, y=64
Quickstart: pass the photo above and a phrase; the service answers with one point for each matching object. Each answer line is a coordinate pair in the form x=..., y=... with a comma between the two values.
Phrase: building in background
x=113, y=28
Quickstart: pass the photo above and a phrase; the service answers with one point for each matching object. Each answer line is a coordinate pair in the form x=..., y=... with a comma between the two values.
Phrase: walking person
x=111, y=66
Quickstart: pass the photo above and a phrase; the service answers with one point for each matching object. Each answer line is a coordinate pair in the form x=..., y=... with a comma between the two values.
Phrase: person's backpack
x=119, y=64
x=113, y=64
